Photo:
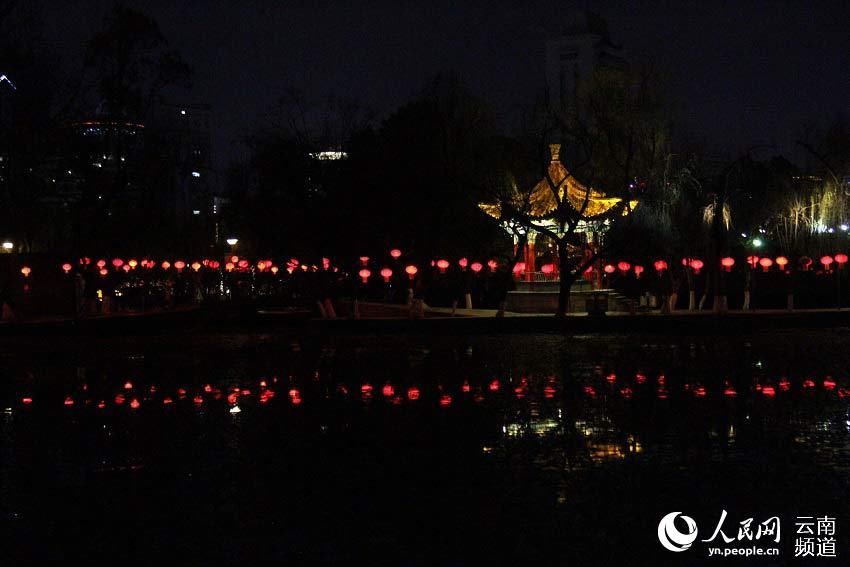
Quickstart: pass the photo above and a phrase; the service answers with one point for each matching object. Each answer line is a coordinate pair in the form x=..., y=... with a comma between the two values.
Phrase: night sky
x=741, y=73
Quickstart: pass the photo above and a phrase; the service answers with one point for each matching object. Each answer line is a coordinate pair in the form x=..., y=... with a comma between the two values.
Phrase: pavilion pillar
x=530, y=268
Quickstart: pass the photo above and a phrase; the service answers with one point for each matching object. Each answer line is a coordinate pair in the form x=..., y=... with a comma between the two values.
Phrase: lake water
x=519, y=449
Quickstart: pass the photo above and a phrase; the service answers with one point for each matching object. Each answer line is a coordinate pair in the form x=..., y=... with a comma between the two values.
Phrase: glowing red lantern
x=696, y=264
x=179, y=265
x=229, y=266
x=364, y=260
x=126, y=268
x=117, y=262
x=103, y=271
x=101, y=263
x=442, y=265
x=196, y=266
x=660, y=265
x=275, y=269
x=753, y=261
x=476, y=267
x=133, y=264
x=364, y=275
x=463, y=263
x=547, y=269
x=492, y=264
x=26, y=271
x=66, y=267
x=727, y=263
x=826, y=261
x=411, y=271
x=234, y=259
x=840, y=259
x=781, y=261
x=519, y=268
x=395, y=253
x=243, y=264
x=165, y=265
x=765, y=264
x=214, y=264
x=609, y=269
x=638, y=271
x=624, y=266
x=261, y=265
x=386, y=273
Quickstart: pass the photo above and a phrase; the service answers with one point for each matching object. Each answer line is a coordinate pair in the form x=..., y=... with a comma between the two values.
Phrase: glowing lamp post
x=411, y=271
x=727, y=263
x=442, y=265
x=66, y=267
x=476, y=267
x=395, y=253
x=765, y=264
x=364, y=275
x=386, y=273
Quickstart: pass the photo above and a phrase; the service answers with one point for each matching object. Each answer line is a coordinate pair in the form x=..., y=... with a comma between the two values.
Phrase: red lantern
x=26, y=271
x=133, y=264
x=166, y=265
x=275, y=269
x=66, y=267
x=443, y=265
x=660, y=265
x=696, y=264
x=547, y=269
x=386, y=273
x=476, y=267
x=261, y=265
x=638, y=271
x=364, y=275
x=805, y=263
x=101, y=263
x=463, y=263
x=492, y=264
x=243, y=264
x=411, y=271
x=117, y=263
x=519, y=268
x=229, y=266
x=179, y=265
x=624, y=267
x=364, y=260
x=609, y=269
x=781, y=261
x=840, y=259
x=765, y=264
x=753, y=261
x=395, y=253
x=727, y=263
x=196, y=266
x=126, y=268
x=214, y=264
x=103, y=271
x=826, y=261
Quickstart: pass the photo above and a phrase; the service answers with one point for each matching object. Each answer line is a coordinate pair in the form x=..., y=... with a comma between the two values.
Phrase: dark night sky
x=741, y=73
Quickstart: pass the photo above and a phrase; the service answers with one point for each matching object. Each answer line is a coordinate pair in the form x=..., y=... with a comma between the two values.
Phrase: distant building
x=572, y=58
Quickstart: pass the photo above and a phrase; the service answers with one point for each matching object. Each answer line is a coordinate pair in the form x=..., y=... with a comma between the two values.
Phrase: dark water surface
x=514, y=449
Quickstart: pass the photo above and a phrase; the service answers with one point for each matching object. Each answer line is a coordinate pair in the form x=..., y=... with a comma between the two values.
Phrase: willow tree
x=597, y=155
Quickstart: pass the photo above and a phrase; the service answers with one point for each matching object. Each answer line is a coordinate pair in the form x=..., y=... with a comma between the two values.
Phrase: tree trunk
x=566, y=281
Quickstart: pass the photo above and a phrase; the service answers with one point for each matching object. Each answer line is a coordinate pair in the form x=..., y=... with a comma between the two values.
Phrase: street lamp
x=7, y=246
x=757, y=242
x=232, y=241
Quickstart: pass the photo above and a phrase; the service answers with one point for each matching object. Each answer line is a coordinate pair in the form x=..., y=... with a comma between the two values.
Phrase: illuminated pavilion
x=542, y=203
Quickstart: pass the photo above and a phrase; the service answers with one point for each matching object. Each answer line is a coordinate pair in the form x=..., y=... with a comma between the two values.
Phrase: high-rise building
x=574, y=56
